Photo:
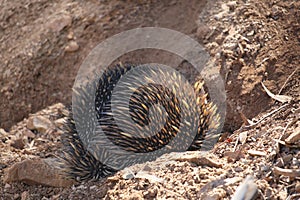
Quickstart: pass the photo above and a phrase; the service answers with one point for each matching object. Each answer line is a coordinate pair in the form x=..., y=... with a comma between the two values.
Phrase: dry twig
x=288, y=78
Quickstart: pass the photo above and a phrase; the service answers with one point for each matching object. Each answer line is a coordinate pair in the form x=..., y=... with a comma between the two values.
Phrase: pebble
x=24, y=195
x=93, y=187
x=72, y=46
x=256, y=153
x=243, y=137
x=70, y=36
x=6, y=186
x=60, y=122
x=39, y=123
x=127, y=175
x=238, y=169
x=18, y=143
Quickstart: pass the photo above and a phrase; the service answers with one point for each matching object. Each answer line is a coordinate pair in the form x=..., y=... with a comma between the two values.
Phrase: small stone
x=7, y=186
x=4, y=89
x=233, y=156
x=72, y=47
x=150, y=194
x=81, y=187
x=287, y=158
x=219, y=39
x=238, y=169
x=24, y=195
x=243, y=137
x=60, y=122
x=295, y=161
x=147, y=168
x=39, y=123
x=294, y=137
x=265, y=168
x=128, y=175
x=16, y=196
x=93, y=187
x=18, y=143
x=70, y=36
x=198, y=159
x=219, y=16
x=256, y=153
x=250, y=33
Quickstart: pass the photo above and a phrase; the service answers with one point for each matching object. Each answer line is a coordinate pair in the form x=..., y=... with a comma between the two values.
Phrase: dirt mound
x=43, y=44
x=256, y=42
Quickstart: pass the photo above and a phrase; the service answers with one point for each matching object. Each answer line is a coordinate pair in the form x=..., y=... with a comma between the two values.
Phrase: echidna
x=133, y=127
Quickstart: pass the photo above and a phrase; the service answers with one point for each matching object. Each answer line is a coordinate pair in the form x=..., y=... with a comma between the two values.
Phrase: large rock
x=36, y=172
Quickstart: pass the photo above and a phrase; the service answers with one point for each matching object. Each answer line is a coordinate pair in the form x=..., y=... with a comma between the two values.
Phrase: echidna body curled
x=130, y=119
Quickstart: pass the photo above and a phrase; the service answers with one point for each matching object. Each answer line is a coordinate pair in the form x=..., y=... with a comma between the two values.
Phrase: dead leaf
x=247, y=190
x=243, y=137
x=280, y=98
x=287, y=172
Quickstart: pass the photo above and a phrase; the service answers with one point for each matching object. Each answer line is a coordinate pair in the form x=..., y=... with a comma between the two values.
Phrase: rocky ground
x=250, y=42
